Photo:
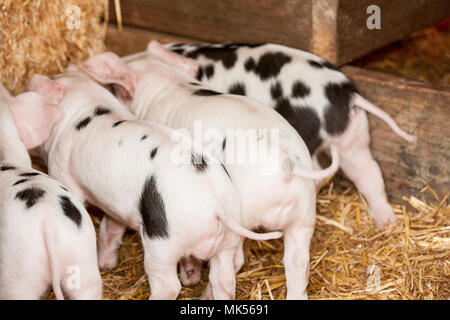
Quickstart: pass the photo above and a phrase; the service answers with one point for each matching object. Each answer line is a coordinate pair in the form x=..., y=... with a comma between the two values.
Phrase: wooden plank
x=131, y=40
x=333, y=29
x=398, y=19
x=281, y=21
x=420, y=109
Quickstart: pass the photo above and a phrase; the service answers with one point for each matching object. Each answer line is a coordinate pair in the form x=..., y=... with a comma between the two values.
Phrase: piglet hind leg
x=296, y=260
x=360, y=167
x=160, y=262
x=109, y=240
x=222, y=278
x=223, y=267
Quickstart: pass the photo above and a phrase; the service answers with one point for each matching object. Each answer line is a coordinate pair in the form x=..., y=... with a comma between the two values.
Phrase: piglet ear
x=35, y=117
x=51, y=90
x=108, y=68
x=156, y=49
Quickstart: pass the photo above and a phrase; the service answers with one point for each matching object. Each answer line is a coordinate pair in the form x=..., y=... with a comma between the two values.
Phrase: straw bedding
x=412, y=256
x=34, y=37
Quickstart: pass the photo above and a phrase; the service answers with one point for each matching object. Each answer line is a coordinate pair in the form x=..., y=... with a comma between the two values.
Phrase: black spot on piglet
x=209, y=71
x=276, y=91
x=237, y=88
x=29, y=174
x=118, y=123
x=70, y=210
x=199, y=75
x=337, y=114
x=227, y=57
x=250, y=64
x=30, y=196
x=270, y=64
x=153, y=212
x=315, y=64
x=99, y=111
x=305, y=120
x=153, y=153
x=300, y=89
x=205, y=92
x=20, y=182
x=199, y=163
x=83, y=123
x=6, y=168
x=322, y=64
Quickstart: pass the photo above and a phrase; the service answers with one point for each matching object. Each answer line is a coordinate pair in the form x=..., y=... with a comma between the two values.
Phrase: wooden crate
x=333, y=29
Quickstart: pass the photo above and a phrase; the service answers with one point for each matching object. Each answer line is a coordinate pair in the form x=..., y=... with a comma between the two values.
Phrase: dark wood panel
x=281, y=21
x=132, y=40
x=398, y=19
x=420, y=109
x=333, y=29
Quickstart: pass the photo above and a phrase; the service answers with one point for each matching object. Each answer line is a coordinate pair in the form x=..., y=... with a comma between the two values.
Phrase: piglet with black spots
x=276, y=190
x=318, y=100
x=46, y=236
x=143, y=180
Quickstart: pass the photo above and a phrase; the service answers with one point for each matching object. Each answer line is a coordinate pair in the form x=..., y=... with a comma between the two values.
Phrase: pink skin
x=169, y=57
x=34, y=127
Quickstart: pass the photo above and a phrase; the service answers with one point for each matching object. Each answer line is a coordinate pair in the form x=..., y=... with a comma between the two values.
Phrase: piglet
x=145, y=180
x=277, y=190
x=46, y=235
x=317, y=99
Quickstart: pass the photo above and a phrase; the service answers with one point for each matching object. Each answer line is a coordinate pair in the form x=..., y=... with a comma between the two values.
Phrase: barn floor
x=347, y=251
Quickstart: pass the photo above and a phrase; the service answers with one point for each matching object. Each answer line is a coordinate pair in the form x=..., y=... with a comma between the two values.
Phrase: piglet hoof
x=385, y=218
x=108, y=261
x=190, y=277
x=297, y=296
x=190, y=271
x=207, y=294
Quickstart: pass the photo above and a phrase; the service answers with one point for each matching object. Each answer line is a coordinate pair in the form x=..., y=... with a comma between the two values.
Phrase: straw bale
x=39, y=36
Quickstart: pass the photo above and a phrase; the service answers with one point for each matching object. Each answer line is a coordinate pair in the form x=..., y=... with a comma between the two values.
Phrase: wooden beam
x=131, y=40
x=281, y=21
x=420, y=109
x=333, y=29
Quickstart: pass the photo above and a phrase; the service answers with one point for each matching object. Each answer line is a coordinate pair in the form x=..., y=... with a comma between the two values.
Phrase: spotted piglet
x=318, y=100
x=145, y=180
x=276, y=191
x=46, y=236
